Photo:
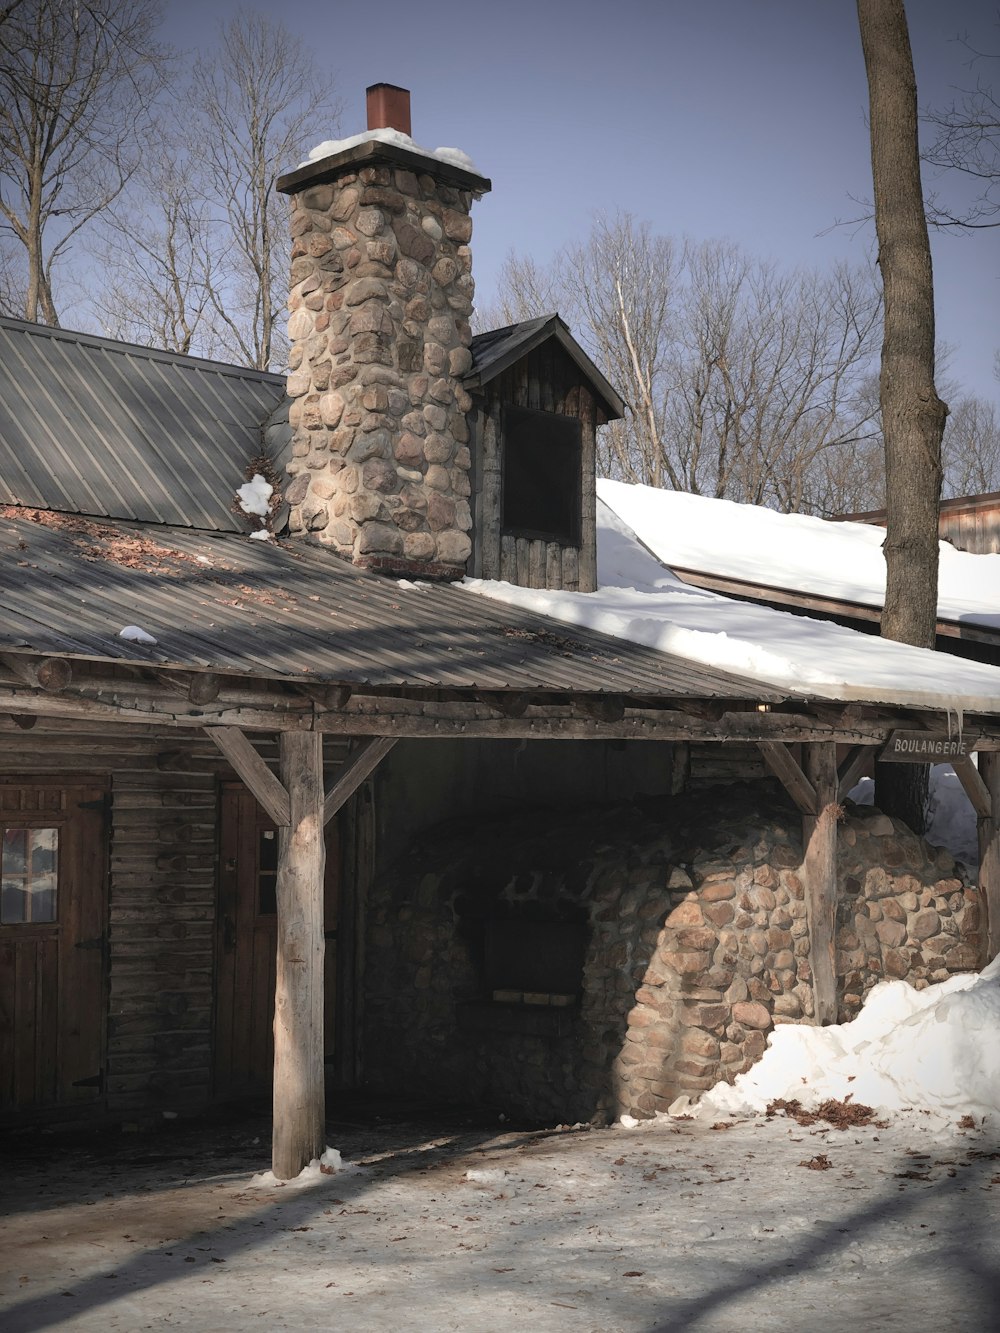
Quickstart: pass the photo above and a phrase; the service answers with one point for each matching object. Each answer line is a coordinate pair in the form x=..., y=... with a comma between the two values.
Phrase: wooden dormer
x=537, y=402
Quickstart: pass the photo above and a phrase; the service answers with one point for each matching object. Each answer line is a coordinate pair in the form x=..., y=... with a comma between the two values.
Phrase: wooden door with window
x=53, y=895
x=246, y=952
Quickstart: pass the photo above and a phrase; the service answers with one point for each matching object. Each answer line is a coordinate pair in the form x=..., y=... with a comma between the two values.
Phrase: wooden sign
x=925, y=747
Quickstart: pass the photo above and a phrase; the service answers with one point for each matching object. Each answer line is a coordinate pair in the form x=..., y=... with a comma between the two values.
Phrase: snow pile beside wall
x=933, y=1051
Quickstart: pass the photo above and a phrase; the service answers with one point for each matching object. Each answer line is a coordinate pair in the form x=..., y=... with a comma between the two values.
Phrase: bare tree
x=76, y=82
x=256, y=102
x=913, y=416
x=157, y=259
x=968, y=142
x=744, y=382
x=971, y=448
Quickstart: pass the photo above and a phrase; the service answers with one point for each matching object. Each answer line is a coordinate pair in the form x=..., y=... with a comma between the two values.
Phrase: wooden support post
x=819, y=838
x=989, y=852
x=299, y=1093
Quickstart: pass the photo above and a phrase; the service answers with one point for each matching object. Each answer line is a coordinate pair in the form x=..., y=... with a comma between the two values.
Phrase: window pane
x=29, y=872
x=267, y=872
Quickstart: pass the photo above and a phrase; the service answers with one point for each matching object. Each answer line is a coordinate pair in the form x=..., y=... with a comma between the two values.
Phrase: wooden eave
x=553, y=328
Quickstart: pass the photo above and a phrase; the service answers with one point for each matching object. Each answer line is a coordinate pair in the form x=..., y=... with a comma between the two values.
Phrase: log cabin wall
x=545, y=380
x=162, y=886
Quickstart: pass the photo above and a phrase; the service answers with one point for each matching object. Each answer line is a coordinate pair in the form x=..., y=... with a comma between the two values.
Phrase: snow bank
x=793, y=551
x=932, y=1052
x=453, y=156
x=640, y=600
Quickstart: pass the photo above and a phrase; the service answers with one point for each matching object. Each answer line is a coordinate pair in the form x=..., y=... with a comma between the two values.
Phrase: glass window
x=267, y=872
x=29, y=873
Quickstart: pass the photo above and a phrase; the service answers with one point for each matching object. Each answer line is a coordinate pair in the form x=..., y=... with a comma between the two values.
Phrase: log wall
x=162, y=889
x=546, y=380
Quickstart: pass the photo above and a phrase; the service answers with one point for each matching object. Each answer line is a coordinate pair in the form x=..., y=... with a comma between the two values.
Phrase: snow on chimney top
x=388, y=107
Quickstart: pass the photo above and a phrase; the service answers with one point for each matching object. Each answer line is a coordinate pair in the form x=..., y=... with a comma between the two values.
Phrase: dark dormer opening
x=541, y=478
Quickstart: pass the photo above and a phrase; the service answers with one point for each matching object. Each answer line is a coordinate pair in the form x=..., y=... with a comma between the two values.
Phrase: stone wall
x=698, y=945
x=381, y=298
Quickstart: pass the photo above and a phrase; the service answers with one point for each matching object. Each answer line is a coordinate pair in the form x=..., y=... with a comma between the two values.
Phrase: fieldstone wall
x=381, y=298
x=698, y=946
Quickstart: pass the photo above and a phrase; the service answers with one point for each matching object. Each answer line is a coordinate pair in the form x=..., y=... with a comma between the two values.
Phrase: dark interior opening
x=534, y=957
x=541, y=475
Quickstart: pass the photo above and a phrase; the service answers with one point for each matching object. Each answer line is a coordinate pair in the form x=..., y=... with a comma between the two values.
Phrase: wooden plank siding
x=162, y=893
x=545, y=380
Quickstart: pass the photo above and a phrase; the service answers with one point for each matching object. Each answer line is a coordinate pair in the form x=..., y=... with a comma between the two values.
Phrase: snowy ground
x=685, y=1225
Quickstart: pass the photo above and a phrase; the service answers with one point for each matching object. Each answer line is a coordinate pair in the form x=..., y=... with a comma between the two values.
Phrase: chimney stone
x=380, y=304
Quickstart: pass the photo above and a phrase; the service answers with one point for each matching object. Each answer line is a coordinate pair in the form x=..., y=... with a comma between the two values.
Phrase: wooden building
x=191, y=716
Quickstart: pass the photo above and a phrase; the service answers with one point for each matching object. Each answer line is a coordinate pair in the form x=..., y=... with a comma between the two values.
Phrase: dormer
x=537, y=402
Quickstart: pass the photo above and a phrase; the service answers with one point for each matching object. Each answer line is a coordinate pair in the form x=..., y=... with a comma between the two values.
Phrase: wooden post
x=299, y=1093
x=989, y=851
x=819, y=837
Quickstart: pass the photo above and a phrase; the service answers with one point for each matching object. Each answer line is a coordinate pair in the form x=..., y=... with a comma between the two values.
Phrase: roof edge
x=553, y=326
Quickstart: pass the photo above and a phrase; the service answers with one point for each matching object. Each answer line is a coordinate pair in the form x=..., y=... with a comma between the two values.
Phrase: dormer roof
x=497, y=349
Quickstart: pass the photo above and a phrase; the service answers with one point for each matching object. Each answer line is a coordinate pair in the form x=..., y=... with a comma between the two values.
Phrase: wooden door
x=53, y=872
x=246, y=951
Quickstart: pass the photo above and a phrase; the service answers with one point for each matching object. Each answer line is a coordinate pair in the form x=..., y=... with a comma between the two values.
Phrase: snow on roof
x=842, y=561
x=453, y=156
x=639, y=600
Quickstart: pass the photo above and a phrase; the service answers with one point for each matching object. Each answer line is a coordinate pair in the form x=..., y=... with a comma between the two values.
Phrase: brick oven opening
x=534, y=962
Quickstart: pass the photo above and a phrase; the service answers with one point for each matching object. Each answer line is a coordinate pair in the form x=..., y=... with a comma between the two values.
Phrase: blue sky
x=708, y=118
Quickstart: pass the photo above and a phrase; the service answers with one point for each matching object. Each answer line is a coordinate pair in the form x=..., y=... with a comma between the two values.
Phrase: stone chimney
x=381, y=298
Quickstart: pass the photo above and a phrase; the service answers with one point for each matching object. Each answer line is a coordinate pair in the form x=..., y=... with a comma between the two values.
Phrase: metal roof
x=497, y=349
x=91, y=426
x=295, y=611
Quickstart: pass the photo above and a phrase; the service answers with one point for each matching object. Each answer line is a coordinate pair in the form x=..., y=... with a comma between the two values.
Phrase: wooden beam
x=784, y=767
x=360, y=764
x=299, y=1105
x=51, y=674
x=255, y=773
x=975, y=788
x=819, y=870
x=989, y=853
x=91, y=699
x=852, y=770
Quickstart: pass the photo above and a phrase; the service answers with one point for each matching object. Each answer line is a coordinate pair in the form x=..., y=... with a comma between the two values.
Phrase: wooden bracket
x=852, y=770
x=780, y=761
x=360, y=764
x=975, y=788
x=268, y=789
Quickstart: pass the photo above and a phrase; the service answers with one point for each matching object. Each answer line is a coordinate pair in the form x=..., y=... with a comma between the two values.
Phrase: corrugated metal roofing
x=295, y=611
x=91, y=426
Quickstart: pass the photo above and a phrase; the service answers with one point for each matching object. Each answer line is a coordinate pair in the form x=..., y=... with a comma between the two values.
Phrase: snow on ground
x=453, y=156
x=811, y=555
x=690, y=1227
x=932, y=1055
x=640, y=600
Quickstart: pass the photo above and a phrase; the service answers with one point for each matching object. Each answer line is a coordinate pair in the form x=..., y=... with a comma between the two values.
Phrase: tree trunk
x=913, y=416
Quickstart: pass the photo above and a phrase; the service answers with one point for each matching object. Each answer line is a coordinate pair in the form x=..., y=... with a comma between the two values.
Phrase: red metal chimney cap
x=388, y=107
